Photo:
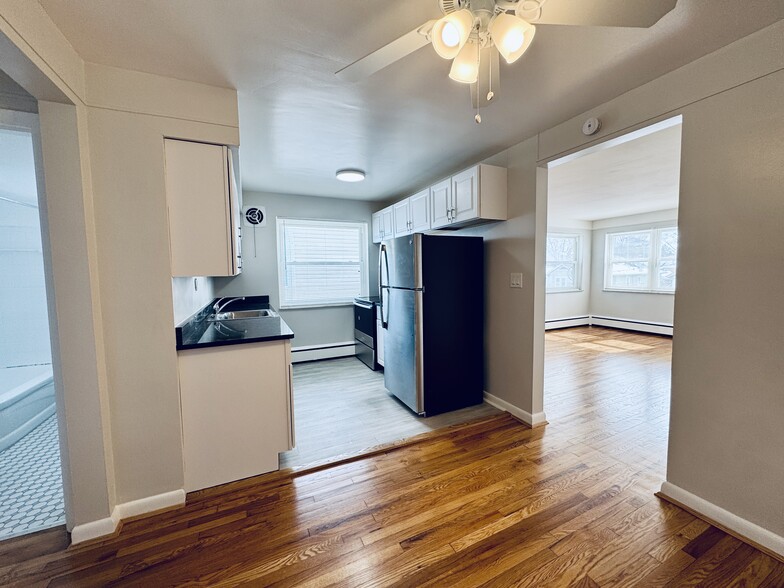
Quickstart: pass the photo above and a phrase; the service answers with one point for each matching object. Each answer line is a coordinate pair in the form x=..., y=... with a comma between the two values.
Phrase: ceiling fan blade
x=604, y=13
x=387, y=55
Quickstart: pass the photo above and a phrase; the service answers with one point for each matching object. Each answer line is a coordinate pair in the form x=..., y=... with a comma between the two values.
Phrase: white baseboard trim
x=732, y=522
x=328, y=351
x=608, y=321
x=632, y=325
x=577, y=321
x=107, y=526
x=534, y=420
x=94, y=529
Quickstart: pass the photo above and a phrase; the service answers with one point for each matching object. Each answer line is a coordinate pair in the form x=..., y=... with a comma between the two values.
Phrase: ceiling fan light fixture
x=350, y=175
x=511, y=35
x=450, y=33
x=465, y=67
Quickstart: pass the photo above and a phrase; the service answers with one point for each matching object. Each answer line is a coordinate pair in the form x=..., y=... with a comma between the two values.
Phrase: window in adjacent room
x=321, y=263
x=641, y=261
x=563, y=263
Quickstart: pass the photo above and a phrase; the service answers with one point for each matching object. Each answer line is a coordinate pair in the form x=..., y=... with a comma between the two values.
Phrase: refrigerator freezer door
x=402, y=361
x=403, y=261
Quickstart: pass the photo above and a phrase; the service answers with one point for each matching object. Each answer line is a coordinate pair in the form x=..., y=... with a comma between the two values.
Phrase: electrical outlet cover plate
x=515, y=280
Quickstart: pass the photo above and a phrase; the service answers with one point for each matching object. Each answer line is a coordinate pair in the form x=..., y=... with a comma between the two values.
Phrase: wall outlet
x=515, y=280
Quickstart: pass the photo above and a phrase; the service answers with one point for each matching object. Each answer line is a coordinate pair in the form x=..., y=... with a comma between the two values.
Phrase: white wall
x=190, y=295
x=23, y=309
x=311, y=326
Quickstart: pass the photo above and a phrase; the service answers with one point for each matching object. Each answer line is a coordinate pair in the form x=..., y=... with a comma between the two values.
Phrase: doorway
x=610, y=278
x=31, y=487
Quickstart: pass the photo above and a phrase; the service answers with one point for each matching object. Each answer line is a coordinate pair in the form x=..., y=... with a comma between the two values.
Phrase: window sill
x=667, y=293
x=312, y=306
x=564, y=291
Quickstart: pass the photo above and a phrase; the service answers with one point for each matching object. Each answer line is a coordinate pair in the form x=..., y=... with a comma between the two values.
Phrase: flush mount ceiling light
x=474, y=33
x=350, y=175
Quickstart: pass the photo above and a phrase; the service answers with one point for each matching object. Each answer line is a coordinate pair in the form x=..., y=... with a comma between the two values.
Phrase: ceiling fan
x=473, y=33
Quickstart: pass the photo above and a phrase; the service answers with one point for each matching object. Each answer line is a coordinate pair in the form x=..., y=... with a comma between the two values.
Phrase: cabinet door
x=200, y=210
x=387, y=223
x=235, y=411
x=465, y=195
x=419, y=211
x=402, y=220
x=376, y=223
x=441, y=204
x=380, y=331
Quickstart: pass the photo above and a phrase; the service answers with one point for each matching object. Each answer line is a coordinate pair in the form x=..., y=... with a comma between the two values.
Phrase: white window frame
x=578, y=263
x=363, y=245
x=653, y=260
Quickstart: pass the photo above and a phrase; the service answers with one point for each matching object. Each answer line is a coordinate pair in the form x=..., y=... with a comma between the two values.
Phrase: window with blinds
x=321, y=263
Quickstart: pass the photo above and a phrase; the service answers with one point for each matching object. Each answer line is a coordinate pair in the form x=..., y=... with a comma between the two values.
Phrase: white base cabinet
x=237, y=411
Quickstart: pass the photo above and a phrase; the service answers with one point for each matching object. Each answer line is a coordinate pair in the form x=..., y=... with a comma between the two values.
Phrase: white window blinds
x=321, y=263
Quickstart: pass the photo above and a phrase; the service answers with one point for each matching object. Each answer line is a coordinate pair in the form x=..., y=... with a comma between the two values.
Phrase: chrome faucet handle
x=217, y=307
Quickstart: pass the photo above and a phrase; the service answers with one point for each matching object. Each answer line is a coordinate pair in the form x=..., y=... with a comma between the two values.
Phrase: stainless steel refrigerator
x=432, y=310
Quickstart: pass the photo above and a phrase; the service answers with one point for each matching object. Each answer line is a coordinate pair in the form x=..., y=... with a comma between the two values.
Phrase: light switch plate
x=515, y=280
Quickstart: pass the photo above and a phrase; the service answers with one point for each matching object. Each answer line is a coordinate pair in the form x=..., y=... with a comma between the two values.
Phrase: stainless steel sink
x=241, y=314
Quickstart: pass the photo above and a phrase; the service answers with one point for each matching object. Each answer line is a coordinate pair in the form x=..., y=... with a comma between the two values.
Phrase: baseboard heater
x=326, y=351
x=606, y=321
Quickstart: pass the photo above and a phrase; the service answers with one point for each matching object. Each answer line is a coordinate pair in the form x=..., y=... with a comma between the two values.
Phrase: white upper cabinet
x=402, y=219
x=376, y=225
x=419, y=211
x=383, y=224
x=475, y=195
x=204, y=209
x=441, y=203
x=465, y=204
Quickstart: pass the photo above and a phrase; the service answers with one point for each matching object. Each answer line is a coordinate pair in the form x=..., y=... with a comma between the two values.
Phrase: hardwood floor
x=490, y=503
x=342, y=408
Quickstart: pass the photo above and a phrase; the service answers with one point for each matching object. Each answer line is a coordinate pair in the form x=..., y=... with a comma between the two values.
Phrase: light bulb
x=465, y=67
x=513, y=40
x=511, y=35
x=450, y=35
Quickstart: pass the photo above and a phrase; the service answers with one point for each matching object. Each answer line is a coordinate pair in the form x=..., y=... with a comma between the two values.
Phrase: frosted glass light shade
x=450, y=33
x=465, y=67
x=350, y=175
x=511, y=35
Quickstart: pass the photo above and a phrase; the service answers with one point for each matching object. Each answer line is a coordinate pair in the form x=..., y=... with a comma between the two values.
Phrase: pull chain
x=478, y=117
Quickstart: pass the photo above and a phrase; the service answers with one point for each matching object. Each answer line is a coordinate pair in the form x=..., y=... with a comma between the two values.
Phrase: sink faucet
x=220, y=305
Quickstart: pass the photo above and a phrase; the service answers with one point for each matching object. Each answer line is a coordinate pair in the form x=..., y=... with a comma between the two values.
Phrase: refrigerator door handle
x=382, y=285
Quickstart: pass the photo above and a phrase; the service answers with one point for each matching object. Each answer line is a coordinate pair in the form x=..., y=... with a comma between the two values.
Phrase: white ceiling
x=641, y=175
x=408, y=124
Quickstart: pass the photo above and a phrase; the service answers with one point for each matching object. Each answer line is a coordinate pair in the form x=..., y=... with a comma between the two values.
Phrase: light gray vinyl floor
x=342, y=408
x=31, y=485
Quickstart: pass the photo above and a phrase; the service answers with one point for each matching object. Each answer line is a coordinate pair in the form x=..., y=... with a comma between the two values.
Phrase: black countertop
x=197, y=332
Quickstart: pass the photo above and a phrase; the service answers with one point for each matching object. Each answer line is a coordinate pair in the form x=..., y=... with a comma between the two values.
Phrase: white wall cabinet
x=474, y=195
x=412, y=215
x=402, y=218
x=237, y=411
x=204, y=209
x=441, y=203
x=383, y=223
